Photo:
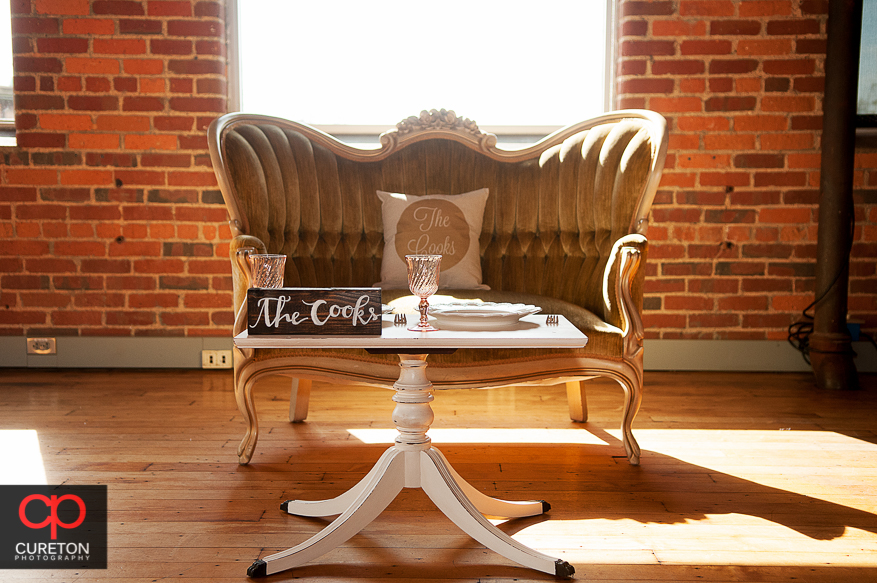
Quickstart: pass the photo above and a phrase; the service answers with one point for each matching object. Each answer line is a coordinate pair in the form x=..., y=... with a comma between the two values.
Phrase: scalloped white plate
x=480, y=315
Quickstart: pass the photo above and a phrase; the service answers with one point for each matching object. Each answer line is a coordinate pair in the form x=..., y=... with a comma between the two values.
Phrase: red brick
x=735, y=27
x=766, y=8
x=197, y=67
x=40, y=140
x=126, y=84
x=94, y=141
x=150, y=142
x=194, y=28
x=790, y=141
x=142, y=104
x=93, y=102
x=95, y=212
x=646, y=86
x=65, y=45
x=70, y=194
x=210, y=47
x=18, y=194
x=780, y=179
x=677, y=67
x=62, y=7
x=173, y=123
x=143, y=66
x=29, y=25
x=677, y=28
x=703, y=123
x=36, y=64
x=119, y=46
x=632, y=67
x=764, y=47
x=88, y=26
x=732, y=66
x=789, y=66
x=647, y=8
x=760, y=123
x=712, y=320
x=97, y=84
x=755, y=160
x=91, y=66
x=721, y=84
x=87, y=177
x=30, y=176
x=647, y=48
x=205, y=300
x=210, y=9
x=144, y=177
x=676, y=104
x=140, y=26
x=706, y=8
x=124, y=123
x=806, y=46
x=169, y=8
x=729, y=142
x=165, y=46
x=705, y=47
x=130, y=318
x=730, y=103
x=793, y=27
x=118, y=7
x=153, y=300
x=172, y=160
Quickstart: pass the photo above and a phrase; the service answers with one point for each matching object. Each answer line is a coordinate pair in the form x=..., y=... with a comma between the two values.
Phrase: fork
x=400, y=320
x=552, y=320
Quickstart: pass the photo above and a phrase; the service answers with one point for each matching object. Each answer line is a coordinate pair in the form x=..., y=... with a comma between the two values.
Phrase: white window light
x=352, y=67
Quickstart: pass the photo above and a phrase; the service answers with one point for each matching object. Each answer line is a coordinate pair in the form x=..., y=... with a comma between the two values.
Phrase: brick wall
x=734, y=226
x=111, y=223
x=110, y=219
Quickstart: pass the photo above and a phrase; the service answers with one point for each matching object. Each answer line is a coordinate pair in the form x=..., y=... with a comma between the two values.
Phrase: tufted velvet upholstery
x=553, y=220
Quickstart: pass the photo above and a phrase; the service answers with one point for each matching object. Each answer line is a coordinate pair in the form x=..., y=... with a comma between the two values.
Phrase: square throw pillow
x=449, y=225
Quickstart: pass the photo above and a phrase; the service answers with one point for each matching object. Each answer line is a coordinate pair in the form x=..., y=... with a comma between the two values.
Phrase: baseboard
x=142, y=352
x=111, y=352
x=739, y=355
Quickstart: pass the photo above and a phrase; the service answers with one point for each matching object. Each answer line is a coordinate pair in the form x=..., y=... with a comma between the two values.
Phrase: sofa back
x=552, y=216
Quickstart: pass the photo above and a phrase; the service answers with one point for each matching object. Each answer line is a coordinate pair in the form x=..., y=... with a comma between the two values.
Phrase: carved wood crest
x=438, y=120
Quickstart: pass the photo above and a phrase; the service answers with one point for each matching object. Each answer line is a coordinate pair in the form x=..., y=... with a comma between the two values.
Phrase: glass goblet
x=423, y=276
x=267, y=270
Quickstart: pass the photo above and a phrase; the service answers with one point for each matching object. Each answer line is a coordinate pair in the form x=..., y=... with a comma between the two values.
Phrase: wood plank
x=744, y=477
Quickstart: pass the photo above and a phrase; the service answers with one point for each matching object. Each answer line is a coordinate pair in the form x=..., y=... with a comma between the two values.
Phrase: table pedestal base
x=412, y=463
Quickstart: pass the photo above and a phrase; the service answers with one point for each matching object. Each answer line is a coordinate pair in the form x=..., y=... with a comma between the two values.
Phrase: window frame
x=514, y=134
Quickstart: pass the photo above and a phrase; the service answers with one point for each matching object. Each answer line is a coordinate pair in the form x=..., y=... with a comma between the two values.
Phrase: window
x=7, y=111
x=360, y=67
x=866, y=108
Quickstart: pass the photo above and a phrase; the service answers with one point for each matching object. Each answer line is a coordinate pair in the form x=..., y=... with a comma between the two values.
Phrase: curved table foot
x=382, y=487
x=494, y=506
x=439, y=484
x=339, y=504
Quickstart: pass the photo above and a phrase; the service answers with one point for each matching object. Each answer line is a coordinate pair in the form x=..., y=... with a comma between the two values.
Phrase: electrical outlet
x=41, y=346
x=216, y=359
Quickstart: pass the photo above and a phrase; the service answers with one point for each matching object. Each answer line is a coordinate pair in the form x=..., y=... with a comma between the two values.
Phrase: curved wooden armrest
x=622, y=309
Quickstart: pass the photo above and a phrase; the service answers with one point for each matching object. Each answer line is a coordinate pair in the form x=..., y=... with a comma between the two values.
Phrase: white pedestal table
x=412, y=462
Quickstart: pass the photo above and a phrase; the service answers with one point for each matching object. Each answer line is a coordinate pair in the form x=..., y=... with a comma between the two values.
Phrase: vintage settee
x=563, y=228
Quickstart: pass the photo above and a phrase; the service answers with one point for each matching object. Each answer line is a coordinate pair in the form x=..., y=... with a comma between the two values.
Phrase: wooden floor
x=744, y=477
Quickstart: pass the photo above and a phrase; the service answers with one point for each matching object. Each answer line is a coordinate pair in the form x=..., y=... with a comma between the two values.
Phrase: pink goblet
x=423, y=275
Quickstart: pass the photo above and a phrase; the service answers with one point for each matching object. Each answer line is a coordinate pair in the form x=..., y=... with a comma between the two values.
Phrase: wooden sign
x=341, y=311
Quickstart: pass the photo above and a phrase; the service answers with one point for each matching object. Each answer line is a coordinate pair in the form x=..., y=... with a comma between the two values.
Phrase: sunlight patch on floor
x=23, y=463
x=487, y=435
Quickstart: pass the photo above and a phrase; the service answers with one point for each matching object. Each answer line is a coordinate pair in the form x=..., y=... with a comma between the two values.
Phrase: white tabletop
x=529, y=332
